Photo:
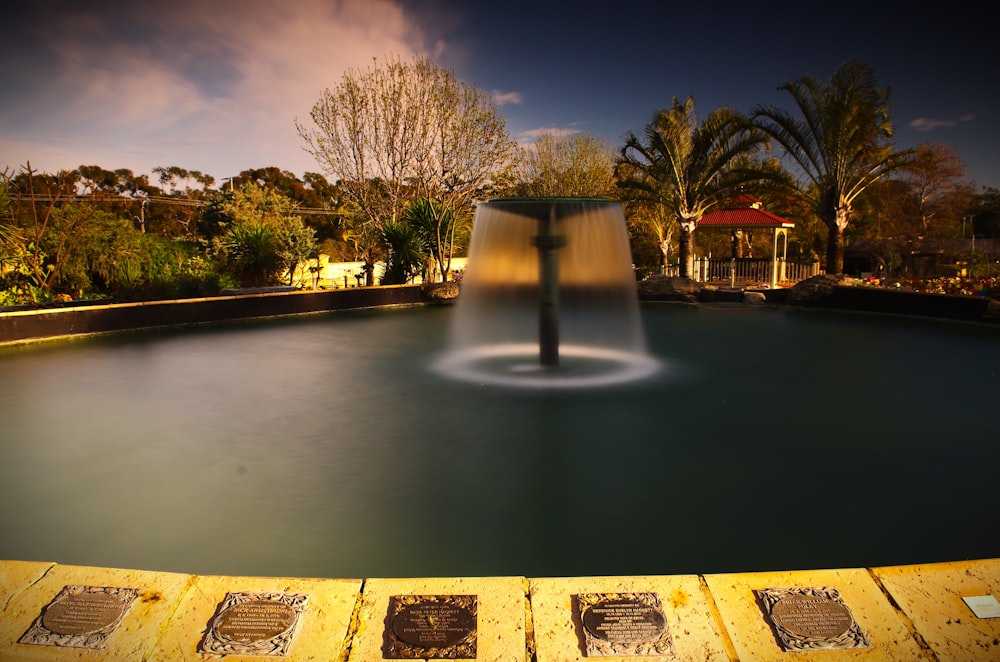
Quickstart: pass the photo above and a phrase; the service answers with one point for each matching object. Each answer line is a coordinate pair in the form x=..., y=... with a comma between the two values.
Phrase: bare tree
x=935, y=174
x=568, y=165
x=400, y=131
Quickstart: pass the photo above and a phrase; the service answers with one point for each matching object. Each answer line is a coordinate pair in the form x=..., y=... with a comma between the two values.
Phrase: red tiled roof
x=746, y=217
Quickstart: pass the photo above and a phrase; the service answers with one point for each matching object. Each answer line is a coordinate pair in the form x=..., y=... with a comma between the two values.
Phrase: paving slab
x=743, y=598
x=933, y=597
x=253, y=618
x=89, y=613
x=391, y=607
x=691, y=629
x=17, y=576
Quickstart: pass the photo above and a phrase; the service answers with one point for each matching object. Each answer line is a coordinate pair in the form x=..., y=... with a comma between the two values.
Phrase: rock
x=992, y=311
x=441, y=292
x=668, y=288
x=818, y=286
x=755, y=298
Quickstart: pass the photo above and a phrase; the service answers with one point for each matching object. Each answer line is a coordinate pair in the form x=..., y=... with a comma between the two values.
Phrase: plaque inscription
x=431, y=626
x=623, y=624
x=81, y=617
x=810, y=618
x=254, y=624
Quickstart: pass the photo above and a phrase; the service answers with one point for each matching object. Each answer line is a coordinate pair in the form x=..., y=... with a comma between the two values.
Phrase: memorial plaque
x=623, y=624
x=81, y=617
x=254, y=624
x=810, y=618
x=431, y=626
x=983, y=606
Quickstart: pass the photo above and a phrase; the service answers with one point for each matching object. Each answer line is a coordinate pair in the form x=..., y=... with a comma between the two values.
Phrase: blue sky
x=217, y=86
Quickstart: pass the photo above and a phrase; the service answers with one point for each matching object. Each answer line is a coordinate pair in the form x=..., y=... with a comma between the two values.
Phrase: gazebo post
x=774, y=261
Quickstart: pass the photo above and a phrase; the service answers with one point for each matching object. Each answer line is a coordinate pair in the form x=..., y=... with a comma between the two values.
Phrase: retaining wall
x=26, y=325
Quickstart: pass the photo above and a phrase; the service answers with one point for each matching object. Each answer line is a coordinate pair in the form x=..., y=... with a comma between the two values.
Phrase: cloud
x=927, y=124
x=504, y=98
x=205, y=86
x=530, y=135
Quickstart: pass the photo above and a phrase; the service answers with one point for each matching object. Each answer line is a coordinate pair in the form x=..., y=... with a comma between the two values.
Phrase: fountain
x=549, y=278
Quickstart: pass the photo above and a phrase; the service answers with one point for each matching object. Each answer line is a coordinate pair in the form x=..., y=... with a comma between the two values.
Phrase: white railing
x=748, y=271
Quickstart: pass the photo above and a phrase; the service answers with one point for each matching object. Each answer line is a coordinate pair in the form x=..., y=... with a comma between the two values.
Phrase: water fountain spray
x=549, y=297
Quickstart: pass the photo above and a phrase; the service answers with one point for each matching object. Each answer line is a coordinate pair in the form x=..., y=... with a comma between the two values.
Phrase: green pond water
x=330, y=446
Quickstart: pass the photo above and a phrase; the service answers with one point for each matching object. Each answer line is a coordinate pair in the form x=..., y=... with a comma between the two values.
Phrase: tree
x=403, y=130
x=430, y=220
x=174, y=176
x=935, y=174
x=840, y=145
x=251, y=253
x=407, y=253
x=43, y=227
x=986, y=215
x=296, y=243
x=651, y=226
x=259, y=234
x=568, y=165
x=689, y=167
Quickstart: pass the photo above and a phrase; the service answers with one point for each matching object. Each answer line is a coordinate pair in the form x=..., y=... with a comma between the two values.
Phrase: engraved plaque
x=810, y=618
x=983, y=606
x=254, y=624
x=431, y=626
x=623, y=624
x=81, y=617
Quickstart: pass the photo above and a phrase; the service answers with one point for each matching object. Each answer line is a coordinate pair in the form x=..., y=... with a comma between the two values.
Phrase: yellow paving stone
x=320, y=632
x=134, y=636
x=17, y=576
x=690, y=620
x=501, y=614
x=886, y=631
x=931, y=597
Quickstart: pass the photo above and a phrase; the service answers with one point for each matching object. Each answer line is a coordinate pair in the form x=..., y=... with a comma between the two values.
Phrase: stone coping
x=939, y=611
x=24, y=326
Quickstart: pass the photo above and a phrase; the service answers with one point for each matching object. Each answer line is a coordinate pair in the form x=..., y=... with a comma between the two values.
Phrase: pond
x=329, y=446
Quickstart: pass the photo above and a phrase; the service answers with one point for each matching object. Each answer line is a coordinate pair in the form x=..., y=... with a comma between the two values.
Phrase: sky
x=217, y=86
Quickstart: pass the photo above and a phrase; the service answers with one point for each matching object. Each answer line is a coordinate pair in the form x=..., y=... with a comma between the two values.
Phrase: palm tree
x=841, y=144
x=689, y=168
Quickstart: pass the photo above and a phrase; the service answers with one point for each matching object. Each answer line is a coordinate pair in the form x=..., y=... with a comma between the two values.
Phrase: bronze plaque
x=623, y=624
x=254, y=624
x=810, y=618
x=431, y=626
x=81, y=617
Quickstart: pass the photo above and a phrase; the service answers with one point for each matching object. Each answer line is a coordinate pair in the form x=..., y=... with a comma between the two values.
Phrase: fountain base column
x=548, y=244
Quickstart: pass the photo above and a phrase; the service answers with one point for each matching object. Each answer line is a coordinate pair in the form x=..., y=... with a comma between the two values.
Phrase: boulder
x=755, y=298
x=818, y=287
x=440, y=292
x=668, y=288
x=992, y=312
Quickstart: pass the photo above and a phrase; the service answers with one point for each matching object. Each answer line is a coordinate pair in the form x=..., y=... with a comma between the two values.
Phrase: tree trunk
x=737, y=243
x=685, y=254
x=835, y=250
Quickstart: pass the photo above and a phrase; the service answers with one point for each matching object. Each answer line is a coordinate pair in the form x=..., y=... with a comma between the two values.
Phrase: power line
x=159, y=199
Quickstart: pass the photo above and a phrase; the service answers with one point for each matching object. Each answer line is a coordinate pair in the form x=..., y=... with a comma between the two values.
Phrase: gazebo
x=746, y=214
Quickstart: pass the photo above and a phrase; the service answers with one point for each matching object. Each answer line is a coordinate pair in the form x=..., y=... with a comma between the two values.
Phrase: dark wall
x=28, y=325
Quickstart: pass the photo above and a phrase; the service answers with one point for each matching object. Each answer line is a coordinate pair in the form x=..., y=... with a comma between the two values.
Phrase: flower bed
x=980, y=286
